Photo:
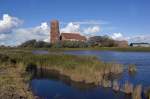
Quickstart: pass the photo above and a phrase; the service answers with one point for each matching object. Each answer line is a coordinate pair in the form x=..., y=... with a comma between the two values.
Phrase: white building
x=140, y=44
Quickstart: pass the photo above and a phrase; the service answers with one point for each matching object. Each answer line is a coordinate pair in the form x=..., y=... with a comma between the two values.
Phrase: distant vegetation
x=100, y=41
x=74, y=44
x=35, y=44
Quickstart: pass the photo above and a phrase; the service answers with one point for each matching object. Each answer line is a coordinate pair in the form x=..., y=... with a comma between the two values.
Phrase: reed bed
x=14, y=63
x=86, y=69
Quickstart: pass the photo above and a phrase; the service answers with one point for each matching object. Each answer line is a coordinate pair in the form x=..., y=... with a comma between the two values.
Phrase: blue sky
x=117, y=18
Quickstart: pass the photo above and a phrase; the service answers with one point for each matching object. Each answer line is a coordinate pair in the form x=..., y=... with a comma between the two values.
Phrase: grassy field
x=128, y=49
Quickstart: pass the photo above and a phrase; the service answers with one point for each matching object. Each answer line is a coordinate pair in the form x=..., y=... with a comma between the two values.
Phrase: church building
x=56, y=36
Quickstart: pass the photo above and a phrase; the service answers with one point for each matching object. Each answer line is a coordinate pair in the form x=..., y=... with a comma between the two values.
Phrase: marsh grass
x=147, y=93
x=12, y=82
x=132, y=68
x=86, y=69
x=128, y=87
x=79, y=68
x=137, y=92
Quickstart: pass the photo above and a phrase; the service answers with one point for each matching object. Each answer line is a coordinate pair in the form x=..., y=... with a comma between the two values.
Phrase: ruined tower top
x=54, y=33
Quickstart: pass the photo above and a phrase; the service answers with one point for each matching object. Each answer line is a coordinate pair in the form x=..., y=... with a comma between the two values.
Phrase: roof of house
x=76, y=36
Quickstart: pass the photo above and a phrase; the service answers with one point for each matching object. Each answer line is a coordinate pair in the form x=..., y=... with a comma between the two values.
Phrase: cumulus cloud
x=118, y=36
x=140, y=38
x=39, y=33
x=134, y=39
x=11, y=34
x=71, y=28
x=8, y=23
x=76, y=28
x=93, y=29
x=20, y=35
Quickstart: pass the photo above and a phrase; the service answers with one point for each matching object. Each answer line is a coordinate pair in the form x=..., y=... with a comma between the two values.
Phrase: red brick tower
x=54, y=32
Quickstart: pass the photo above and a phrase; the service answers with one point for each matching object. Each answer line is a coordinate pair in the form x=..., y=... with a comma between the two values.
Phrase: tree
x=74, y=44
x=103, y=41
x=35, y=44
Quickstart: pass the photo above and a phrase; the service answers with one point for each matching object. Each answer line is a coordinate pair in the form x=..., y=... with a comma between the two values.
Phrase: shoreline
x=126, y=49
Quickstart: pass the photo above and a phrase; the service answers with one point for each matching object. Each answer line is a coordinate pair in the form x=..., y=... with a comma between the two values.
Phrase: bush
x=74, y=44
x=103, y=41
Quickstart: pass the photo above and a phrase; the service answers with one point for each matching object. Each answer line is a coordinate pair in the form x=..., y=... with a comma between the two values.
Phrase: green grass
x=127, y=49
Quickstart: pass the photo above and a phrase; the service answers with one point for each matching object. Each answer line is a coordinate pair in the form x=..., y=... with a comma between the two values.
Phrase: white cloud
x=139, y=38
x=20, y=35
x=134, y=39
x=3, y=36
x=71, y=28
x=93, y=29
x=76, y=28
x=89, y=22
x=39, y=33
x=10, y=34
x=8, y=23
x=47, y=39
x=118, y=36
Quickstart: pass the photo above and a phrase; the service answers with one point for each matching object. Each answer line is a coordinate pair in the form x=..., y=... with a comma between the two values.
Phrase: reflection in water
x=56, y=76
x=50, y=84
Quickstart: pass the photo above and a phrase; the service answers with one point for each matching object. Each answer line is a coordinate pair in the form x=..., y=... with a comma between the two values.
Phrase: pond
x=56, y=87
x=140, y=59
